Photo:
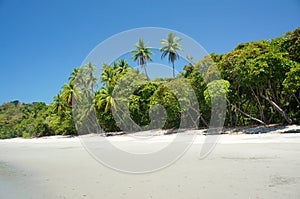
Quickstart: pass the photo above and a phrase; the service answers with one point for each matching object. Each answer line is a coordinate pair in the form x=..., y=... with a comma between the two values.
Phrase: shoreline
x=240, y=166
x=198, y=139
x=252, y=130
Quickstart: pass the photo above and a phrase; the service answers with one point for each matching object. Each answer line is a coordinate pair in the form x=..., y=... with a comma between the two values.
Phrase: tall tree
x=122, y=65
x=105, y=99
x=58, y=106
x=108, y=76
x=74, y=75
x=170, y=48
x=67, y=93
x=90, y=78
x=142, y=54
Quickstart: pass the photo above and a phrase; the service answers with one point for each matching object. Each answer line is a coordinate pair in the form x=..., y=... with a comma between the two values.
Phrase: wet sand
x=240, y=166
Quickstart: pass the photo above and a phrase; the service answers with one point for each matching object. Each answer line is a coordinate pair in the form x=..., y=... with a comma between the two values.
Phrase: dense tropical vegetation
x=261, y=80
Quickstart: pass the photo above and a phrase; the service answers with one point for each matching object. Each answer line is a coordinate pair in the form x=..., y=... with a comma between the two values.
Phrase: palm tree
x=170, y=48
x=122, y=65
x=142, y=54
x=108, y=76
x=67, y=94
x=91, y=80
x=104, y=99
x=74, y=75
x=58, y=106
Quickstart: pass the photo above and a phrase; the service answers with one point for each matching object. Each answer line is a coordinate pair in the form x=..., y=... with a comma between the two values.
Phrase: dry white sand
x=241, y=166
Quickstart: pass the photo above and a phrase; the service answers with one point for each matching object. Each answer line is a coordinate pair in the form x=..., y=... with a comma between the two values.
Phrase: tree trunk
x=196, y=122
x=173, y=70
x=296, y=98
x=230, y=117
x=247, y=115
x=202, y=119
x=271, y=118
x=284, y=114
x=262, y=117
x=144, y=66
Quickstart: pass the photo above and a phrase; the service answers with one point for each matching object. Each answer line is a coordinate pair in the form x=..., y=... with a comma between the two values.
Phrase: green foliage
x=26, y=120
x=260, y=82
x=262, y=77
x=215, y=91
x=166, y=98
x=291, y=43
x=139, y=103
x=10, y=115
x=292, y=81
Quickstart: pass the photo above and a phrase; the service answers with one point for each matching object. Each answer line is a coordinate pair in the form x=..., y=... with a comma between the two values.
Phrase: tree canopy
x=260, y=79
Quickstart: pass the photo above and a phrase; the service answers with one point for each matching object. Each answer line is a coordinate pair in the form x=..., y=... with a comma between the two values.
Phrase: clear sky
x=42, y=41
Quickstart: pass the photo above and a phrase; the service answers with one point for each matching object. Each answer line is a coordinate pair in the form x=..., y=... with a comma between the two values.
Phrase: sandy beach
x=240, y=166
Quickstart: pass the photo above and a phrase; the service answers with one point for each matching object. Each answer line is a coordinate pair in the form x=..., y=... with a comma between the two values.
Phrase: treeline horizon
x=260, y=81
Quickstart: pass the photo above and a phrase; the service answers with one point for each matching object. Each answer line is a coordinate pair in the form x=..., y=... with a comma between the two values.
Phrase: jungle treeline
x=260, y=80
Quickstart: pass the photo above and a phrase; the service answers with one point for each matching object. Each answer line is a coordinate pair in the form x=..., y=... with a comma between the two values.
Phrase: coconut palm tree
x=122, y=65
x=74, y=75
x=108, y=76
x=58, y=106
x=104, y=99
x=142, y=55
x=67, y=93
x=91, y=80
x=170, y=48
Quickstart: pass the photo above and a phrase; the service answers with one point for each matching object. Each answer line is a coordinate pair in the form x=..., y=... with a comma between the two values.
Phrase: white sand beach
x=240, y=166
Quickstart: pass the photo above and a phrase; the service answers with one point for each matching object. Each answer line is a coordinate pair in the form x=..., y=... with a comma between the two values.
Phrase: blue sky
x=42, y=41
